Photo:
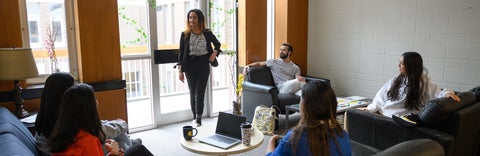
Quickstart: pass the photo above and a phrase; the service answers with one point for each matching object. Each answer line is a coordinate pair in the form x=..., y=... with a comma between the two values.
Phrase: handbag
x=264, y=119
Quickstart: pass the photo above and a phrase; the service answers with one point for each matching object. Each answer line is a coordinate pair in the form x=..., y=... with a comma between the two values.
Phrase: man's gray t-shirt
x=282, y=71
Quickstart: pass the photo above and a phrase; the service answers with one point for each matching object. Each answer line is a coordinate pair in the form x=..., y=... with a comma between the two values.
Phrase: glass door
x=136, y=64
x=223, y=24
x=155, y=96
x=174, y=98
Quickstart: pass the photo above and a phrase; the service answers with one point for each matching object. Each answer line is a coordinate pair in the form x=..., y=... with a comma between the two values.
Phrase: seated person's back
x=318, y=132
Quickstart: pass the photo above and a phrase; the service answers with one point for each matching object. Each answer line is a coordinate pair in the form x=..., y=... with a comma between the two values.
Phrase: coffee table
x=344, y=103
x=204, y=131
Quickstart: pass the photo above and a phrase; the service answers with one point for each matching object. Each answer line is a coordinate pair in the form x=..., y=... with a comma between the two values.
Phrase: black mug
x=188, y=132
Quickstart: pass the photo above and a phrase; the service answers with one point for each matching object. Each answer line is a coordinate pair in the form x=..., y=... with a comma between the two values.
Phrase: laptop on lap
x=227, y=133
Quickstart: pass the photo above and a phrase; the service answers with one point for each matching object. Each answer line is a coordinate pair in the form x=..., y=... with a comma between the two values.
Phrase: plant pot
x=237, y=107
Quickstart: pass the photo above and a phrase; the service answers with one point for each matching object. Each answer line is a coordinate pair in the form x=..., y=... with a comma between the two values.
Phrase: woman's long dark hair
x=318, y=118
x=78, y=112
x=201, y=21
x=413, y=65
x=55, y=85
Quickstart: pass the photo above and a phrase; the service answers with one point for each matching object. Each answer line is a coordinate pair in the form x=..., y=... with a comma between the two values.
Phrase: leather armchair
x=456, y=126
x=259, y=89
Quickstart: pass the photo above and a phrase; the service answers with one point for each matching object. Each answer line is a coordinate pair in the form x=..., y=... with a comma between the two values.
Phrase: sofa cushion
x=437, y=111
x=10, y=145
x=361, y=149
x=260, y=75
x=423, y=147
x=476, y=91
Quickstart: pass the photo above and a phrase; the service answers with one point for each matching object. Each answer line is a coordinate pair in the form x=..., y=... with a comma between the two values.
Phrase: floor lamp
x=17, y=64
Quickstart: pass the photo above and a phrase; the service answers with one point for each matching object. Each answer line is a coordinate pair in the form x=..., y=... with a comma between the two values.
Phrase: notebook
x=227, y=133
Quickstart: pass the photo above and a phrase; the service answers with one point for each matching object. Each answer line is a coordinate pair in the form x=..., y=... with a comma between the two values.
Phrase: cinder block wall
x=357, y=43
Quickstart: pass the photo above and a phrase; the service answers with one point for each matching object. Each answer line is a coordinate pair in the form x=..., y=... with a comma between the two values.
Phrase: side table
x=196, y=146
x=29, y=122
x=295, y=108
x=344, y=103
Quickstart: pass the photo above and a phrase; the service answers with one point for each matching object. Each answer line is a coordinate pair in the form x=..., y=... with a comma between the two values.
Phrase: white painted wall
x=357, y=43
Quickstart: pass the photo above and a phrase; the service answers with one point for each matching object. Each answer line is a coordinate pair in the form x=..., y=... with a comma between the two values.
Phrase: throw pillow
x=437, y=111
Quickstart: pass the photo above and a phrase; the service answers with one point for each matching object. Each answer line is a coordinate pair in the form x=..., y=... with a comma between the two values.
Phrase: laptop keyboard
x=223, y=139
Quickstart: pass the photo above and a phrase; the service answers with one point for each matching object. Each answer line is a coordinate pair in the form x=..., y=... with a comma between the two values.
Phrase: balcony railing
x=137, y=73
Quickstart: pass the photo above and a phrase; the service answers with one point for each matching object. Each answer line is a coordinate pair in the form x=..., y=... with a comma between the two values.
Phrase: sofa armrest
x=420, y=147
x=382, y=132
x=9, y=123
x=311, y=78
x=11, y=145
x=258, y=88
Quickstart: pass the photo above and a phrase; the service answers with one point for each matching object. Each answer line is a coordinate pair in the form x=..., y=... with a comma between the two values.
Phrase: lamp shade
x=17, y=64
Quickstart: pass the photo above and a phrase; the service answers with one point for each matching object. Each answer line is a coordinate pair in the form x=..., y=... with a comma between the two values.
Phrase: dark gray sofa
x=456, y=126
x=15, y=138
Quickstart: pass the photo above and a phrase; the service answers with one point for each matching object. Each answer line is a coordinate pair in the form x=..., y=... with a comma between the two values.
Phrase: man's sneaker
x=409, y=120
x=136, y=141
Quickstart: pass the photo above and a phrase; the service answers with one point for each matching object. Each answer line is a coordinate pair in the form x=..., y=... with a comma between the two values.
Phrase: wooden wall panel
x=291, y=26
x=111, y=104
x=98, y=40
x=98, y=48
x=29, y=105
x=10, y=30
x=252, y=29
x=298, y=31
x=281, y=26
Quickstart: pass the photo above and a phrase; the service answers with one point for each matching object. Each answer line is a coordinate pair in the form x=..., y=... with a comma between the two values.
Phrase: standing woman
x=196, y=53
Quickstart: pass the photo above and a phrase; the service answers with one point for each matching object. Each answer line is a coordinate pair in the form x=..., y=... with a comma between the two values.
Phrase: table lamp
x=17, y=64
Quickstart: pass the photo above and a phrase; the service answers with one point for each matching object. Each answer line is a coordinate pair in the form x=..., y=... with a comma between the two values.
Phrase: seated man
x=286, y=74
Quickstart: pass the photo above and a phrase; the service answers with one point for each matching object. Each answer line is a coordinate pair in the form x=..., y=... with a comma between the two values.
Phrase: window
x=132, y=21
x=57, y=26
x=33, y=29
x=133, y=84
x=47, y=22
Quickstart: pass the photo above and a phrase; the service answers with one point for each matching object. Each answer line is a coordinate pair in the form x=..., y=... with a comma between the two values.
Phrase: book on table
x=351, y=101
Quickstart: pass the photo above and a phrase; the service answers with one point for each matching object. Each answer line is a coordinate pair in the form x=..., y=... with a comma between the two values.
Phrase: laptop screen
x=229, y=125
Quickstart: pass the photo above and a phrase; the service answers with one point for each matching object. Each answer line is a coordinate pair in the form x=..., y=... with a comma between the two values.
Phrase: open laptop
x=227, y=133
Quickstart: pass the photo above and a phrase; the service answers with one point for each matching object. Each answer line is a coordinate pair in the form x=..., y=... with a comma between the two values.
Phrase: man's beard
x=283, y=56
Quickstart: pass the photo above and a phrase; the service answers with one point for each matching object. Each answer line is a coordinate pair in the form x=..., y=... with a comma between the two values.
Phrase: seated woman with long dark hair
x=78, y=130
x=55, y=85
x=317, y=132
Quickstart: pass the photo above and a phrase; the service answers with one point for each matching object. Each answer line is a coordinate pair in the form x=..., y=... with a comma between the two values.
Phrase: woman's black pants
x=197, y=73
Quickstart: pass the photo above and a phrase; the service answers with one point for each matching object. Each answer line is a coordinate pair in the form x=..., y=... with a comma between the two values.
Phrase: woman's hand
x=112, y=147
x=181, y=77
x=453, y=96
x=213, y=56
x=272, y=144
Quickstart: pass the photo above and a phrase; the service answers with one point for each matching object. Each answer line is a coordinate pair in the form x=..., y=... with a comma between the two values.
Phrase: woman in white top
x=409, y=91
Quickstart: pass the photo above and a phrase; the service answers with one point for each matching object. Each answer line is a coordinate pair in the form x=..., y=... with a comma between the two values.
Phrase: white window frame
x=68, y=33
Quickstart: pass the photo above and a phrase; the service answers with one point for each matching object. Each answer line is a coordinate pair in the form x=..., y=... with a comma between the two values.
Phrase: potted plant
x=237, y=104
x=50, y=46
